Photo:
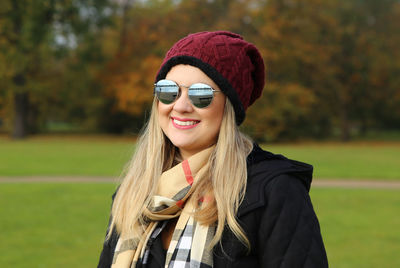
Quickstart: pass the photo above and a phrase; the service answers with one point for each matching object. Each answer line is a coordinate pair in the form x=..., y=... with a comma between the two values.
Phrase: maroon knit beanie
x=233, y=64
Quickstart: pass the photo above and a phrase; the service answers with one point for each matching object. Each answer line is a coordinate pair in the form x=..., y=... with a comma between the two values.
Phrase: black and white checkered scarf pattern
x=182, y=255
x=185, y=255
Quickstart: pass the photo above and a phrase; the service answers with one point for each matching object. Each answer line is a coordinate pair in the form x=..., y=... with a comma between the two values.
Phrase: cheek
x=217, y=125
x=218, y=112
x=215, y=120
x=163, y=114
x=163, y=110
x=214, y=128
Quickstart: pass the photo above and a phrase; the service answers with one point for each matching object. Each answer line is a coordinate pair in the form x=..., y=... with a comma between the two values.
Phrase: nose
x=183, y=103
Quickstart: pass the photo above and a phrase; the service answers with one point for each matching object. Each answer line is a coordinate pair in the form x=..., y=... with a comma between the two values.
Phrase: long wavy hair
x=226, y=178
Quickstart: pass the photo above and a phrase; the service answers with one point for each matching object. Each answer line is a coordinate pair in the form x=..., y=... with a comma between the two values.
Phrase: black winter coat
x=276, y=215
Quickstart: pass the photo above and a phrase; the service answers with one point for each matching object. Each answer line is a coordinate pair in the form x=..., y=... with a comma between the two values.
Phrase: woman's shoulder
x=269, y=172
x=277, y=215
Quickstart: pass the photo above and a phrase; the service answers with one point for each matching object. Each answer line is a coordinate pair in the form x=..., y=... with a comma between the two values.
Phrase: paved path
x=317, y=183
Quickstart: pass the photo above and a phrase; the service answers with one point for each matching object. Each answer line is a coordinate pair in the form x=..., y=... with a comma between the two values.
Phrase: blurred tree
x=24, y=27
x=332, y=66
x=32, y=34
x=294, y=38
x=380, y=59
x=282, y=113
x=331, y=49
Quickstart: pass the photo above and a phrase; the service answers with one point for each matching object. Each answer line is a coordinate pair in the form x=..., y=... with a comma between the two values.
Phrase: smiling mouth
x=185, y=123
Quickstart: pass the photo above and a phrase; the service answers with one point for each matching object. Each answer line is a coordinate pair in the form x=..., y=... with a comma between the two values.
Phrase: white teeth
x=185, y=123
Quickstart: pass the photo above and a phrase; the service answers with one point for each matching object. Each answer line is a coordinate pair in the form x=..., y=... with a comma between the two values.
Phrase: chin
x=183, y=146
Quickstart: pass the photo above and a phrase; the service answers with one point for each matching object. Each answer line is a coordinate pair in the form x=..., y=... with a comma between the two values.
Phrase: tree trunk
x=21, y=109
x=363, y=127
x=344, y=125
x=125, y=19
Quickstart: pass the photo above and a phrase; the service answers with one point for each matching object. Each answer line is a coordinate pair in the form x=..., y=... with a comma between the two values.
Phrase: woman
x=199, y=193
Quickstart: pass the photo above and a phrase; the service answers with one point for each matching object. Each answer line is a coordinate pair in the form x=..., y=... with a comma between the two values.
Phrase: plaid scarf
x=190, y=240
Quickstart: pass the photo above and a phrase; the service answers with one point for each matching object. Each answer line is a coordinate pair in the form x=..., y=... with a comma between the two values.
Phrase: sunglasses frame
x=180, y=92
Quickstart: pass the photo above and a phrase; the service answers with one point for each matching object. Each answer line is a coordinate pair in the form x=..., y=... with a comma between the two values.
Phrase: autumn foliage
x=332, y=65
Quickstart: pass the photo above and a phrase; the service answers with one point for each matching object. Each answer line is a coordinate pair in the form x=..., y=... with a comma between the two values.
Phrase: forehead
x=188, y=75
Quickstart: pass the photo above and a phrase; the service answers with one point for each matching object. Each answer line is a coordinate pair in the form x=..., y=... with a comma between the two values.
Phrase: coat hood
x=276, y=164
x=262, y=168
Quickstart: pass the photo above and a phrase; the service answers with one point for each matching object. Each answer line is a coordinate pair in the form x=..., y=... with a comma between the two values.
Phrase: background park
x=76, y=86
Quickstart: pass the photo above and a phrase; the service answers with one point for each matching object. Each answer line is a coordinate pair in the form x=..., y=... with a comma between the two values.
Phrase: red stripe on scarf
x=180, y=204
x=187, y=171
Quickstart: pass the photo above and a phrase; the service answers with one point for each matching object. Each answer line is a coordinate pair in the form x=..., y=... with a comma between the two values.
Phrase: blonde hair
x=155, y=154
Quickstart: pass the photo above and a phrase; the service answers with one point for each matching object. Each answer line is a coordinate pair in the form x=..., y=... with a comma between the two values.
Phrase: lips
x=184, y=123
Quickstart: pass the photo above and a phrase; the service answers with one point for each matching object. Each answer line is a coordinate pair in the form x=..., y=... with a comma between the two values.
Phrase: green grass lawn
x=68, y=156
x=53, y=225
x=63, y=225
x=360, y=227
x=99, y=156
x=357, y=160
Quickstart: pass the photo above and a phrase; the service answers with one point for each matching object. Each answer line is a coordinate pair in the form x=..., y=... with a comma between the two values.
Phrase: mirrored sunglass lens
x=201, y=95
x=167, y=91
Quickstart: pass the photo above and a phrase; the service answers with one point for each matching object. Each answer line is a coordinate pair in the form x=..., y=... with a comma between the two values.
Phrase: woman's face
x=189, y=128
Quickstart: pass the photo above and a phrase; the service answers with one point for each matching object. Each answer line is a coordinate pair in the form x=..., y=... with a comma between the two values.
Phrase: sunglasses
x=167, y=91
